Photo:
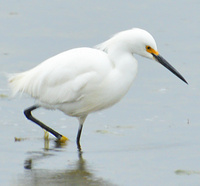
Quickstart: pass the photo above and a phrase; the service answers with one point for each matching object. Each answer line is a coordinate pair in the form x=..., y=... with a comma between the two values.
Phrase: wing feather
x=64, y=78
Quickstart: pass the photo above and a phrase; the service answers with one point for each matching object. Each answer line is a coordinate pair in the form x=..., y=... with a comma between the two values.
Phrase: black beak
x=163, y=62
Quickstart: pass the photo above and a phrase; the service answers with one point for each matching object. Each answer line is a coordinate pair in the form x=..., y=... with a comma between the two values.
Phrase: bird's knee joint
x=27, y=113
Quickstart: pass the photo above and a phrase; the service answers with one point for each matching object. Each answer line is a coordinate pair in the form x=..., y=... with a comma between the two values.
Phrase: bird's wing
x=65, y=89
x=66, y=77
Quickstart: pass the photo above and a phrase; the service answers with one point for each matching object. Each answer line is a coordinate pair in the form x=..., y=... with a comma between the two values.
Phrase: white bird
x=84, y=80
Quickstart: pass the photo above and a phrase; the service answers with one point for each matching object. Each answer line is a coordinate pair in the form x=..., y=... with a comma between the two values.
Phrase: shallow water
x=150, y=138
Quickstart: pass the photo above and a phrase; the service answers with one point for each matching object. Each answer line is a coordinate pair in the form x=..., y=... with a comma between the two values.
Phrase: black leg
x=79, y=136
x=29, y=116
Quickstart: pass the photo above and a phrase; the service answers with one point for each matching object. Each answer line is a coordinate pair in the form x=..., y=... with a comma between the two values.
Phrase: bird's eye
x=148, y=47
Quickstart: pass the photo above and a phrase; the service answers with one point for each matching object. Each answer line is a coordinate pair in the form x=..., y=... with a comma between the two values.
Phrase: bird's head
x=145, y=45
x=137, y=41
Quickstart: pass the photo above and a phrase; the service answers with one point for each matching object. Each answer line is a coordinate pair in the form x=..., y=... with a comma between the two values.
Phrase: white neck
x=123, y=60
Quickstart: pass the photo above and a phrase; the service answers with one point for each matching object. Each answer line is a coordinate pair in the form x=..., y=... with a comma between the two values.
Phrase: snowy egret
x=84, y=80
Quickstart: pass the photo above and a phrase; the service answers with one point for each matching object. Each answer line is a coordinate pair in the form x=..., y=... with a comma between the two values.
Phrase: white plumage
x=84, y=80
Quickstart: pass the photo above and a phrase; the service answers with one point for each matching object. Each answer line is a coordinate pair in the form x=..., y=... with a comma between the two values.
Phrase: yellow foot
x=63, y=139
x=46, y=135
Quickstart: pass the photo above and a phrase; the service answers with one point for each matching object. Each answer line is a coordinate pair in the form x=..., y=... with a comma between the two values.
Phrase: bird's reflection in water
x=38, y=155
x=77, y=174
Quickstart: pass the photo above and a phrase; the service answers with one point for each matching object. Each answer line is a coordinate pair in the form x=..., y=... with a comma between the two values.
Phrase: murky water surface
x=150, y=138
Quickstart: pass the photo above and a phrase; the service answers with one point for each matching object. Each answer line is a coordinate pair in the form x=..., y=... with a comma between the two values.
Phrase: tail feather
x=17, y=82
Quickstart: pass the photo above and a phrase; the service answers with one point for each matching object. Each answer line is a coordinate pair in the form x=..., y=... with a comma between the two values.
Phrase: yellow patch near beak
x=151, y=50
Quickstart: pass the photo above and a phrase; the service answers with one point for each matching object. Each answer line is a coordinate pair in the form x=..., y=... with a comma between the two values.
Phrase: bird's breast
x=106, y=94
